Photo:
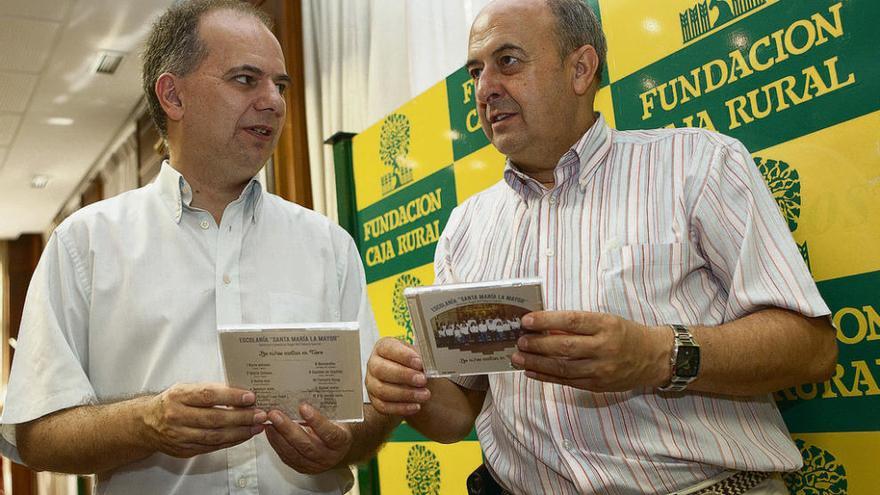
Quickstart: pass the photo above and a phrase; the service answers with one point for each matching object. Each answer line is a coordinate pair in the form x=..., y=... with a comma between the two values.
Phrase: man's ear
x=585, y=63
x=168, y=92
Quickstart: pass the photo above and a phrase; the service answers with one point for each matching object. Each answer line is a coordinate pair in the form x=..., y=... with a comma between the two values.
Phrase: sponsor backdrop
x=797, y=82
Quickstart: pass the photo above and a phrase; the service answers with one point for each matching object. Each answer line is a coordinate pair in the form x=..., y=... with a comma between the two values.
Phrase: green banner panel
x=400, y=231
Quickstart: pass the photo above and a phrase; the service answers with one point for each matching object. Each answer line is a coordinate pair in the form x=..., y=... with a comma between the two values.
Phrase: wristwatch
x=685, y=360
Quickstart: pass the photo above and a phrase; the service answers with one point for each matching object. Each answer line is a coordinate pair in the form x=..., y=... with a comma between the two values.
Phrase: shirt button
x=226, y=279
x=549, y=253
x=567, y=444
x=552, y=200
x=204, y=224
x=242, y=482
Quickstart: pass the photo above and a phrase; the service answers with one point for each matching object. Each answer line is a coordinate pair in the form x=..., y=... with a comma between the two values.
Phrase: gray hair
x=576, y=26
x=174, y=46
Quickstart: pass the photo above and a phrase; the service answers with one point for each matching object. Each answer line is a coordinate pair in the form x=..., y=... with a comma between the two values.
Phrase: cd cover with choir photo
x=468, y=329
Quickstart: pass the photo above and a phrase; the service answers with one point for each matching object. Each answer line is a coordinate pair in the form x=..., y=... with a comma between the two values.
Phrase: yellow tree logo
x=822, y=473
x=394, y=140
x=784, y=183
x=422, y=471
x=398, y=304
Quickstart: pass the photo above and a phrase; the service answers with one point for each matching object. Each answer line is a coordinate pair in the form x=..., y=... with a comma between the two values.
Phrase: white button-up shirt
x=659, y=227
x=127, y=299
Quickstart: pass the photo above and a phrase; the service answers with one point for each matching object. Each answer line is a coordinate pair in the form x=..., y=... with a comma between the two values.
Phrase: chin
x=507, y=145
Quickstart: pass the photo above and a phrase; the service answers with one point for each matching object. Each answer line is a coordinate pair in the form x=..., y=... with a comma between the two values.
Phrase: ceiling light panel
x=39, y=181
x=62, y=121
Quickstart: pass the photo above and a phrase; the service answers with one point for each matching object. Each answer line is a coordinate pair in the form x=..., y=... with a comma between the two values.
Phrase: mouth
x=500, y=117
x=260, y=131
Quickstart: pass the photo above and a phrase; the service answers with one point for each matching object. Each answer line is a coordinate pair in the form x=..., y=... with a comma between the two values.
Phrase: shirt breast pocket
x=647, y=283
x=290, y=307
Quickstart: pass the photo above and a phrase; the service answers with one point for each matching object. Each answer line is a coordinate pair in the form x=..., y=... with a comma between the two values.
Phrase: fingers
x=396, y=399
x=310, y=450
x=219, y=418
x=211, y=394
x=332, y=434
x=186, y=420
x=554, y=366
x=392, y=349
x=216, y=437
x=580, y=322
x=386, y=371
x=289, y=454
x=567, y=345
x=395, y=381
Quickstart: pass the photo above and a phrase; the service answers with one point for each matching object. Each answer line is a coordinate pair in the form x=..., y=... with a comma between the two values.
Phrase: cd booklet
x=286, y=365
x=470, y=329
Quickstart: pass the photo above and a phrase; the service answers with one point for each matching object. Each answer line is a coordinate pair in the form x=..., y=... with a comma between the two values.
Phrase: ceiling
x=49, y=50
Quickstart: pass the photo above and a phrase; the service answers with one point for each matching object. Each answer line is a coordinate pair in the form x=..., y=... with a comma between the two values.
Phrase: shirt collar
x=581, y=160
x=176, y=193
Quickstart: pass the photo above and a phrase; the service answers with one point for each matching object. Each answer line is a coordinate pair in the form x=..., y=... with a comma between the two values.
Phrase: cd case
x=472, y=328
x=286, y=365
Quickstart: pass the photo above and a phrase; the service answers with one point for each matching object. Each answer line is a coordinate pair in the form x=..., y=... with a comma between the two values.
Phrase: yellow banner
x=838, y=175
x=386, y=295
x=477, y=171
x=838, y=463
x=404, y=147
x=427, y=468
x=639, y=35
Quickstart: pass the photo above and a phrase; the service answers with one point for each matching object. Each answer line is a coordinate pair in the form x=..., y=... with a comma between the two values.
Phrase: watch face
x=687, y=362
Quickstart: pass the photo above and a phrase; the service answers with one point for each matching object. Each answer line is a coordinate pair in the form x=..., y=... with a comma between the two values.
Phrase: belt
x=736, y=484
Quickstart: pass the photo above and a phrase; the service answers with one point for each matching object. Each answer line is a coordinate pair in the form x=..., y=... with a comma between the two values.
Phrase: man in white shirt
x=484, y=331
x=117, y=369
x=443, y=335
x=676, y=298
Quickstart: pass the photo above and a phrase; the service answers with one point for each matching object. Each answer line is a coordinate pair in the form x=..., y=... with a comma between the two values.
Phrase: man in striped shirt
x=632, y=233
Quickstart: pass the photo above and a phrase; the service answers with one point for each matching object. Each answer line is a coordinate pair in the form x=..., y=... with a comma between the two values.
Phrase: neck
x=543, y=168
x=211, y=191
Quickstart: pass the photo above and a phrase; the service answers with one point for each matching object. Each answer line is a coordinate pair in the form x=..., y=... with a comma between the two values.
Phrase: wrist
x=664, y=342
x=140, y=421
x=685, y=360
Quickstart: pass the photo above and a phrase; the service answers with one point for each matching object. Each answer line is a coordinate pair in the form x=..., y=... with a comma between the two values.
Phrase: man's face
x=233, y=102
x=522, y=88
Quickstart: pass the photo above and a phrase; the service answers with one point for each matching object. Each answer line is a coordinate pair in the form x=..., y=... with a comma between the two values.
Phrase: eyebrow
x=504, y=47
x=257, y=71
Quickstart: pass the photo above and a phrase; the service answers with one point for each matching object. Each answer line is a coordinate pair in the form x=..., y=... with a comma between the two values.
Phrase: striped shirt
x=660, y=226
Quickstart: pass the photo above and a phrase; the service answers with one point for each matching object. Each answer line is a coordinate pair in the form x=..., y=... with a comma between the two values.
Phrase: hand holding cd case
x=471, y=329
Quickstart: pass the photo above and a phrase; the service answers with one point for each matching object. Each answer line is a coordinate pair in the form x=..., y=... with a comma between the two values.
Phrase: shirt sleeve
x=445, y=274
x=51, y=356
x=746, y=241
x=354, y=304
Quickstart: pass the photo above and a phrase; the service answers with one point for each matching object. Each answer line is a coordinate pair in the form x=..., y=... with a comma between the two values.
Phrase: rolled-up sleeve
x=51, y=356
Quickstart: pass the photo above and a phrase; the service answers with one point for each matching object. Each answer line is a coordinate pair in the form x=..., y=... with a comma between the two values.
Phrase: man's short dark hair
x=174, y=46
x=576, y=26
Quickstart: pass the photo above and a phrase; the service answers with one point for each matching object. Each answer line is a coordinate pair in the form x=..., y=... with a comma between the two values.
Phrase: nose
x=270, y=98
x=488, y=86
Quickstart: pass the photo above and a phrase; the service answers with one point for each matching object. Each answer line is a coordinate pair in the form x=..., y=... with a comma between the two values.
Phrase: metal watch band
x=682, y=337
